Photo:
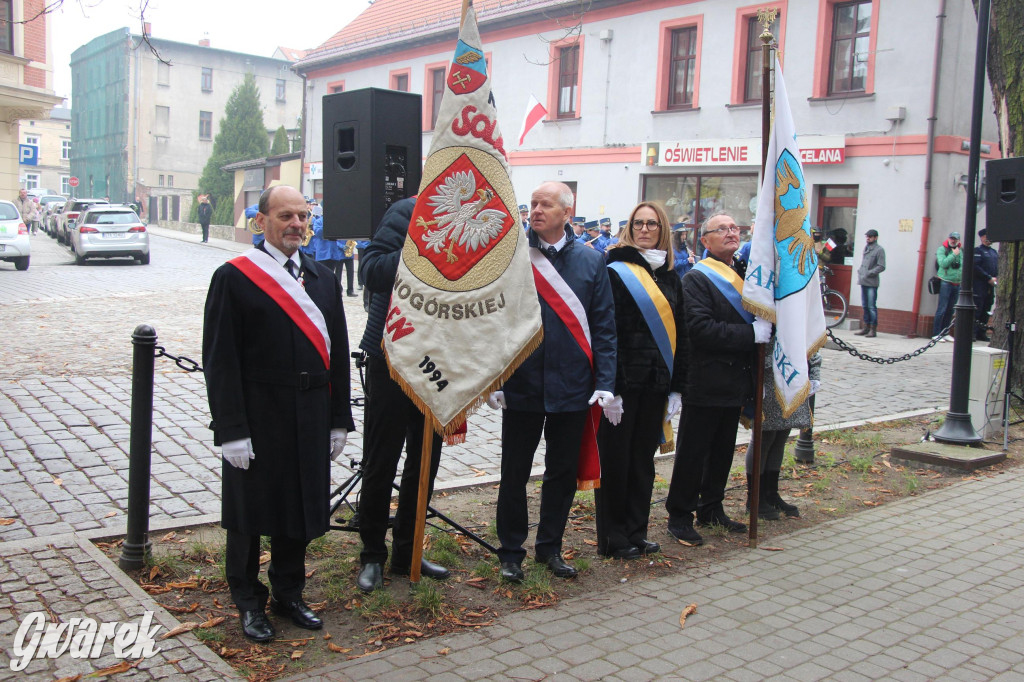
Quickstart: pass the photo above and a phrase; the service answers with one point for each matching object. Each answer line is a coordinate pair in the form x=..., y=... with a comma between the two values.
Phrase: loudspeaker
x=1004, y=201
x=373, y=144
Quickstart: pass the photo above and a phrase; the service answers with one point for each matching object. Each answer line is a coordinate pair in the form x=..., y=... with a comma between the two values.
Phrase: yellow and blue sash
x=728, y=282
x=657, y=313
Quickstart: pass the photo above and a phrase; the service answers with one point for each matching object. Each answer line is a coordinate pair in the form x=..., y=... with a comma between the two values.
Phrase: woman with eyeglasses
x=651, y=358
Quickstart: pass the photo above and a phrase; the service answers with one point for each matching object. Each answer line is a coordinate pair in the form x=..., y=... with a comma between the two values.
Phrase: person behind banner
x=719, y=381
x=390, y=421
x=775, y=430
x=275, y=357
x=650, y=369
x=524, y=216
x=327, y=251
x=552, y=391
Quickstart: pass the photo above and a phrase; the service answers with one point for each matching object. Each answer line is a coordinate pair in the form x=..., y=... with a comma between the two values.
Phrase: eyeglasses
x=725, y=229
x=651, y=225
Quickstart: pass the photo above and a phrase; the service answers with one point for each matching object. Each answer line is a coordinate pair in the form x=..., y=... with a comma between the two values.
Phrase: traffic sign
x=73, y=181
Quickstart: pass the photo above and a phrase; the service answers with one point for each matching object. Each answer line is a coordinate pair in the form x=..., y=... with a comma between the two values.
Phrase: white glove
x=762, y=330
x=237, y=453
x=602, y=398
x=815, y=385
x=675, y=403
x=496, y=400
x=338, y=438
x=613, y=410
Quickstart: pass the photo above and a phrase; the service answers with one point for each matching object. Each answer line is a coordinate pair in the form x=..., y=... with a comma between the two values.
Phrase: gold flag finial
x=765, y=17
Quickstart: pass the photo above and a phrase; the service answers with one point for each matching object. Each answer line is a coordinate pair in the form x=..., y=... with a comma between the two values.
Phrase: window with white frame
x=31, y=180
x=65, y=186
x=65, y=150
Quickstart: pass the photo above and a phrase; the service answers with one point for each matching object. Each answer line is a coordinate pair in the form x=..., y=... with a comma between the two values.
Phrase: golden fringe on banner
x=448, y=430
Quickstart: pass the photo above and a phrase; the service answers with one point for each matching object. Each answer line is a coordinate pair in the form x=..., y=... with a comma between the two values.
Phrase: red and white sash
x=267, y=274
x=569, y=309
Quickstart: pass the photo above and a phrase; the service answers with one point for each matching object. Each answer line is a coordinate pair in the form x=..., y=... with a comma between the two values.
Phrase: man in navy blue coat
x=552, y=391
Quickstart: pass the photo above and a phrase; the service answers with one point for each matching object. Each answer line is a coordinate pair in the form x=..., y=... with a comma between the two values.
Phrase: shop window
x=678, y=76
x=691, y=199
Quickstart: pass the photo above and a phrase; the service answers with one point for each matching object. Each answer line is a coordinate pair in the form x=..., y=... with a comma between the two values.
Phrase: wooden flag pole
x=426, y=452
x=766, y=17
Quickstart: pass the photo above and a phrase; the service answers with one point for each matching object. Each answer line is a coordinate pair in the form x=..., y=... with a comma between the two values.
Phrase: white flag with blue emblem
x=782, y=274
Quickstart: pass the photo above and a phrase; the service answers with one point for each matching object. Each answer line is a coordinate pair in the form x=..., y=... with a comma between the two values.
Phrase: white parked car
x=14, y=243
x=109, y=231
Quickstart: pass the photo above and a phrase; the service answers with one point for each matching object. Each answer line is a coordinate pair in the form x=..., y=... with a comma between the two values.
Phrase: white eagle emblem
x=466, y=224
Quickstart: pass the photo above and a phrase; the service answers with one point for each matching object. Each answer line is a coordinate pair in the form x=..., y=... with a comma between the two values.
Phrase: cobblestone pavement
x=65, y=362
x=927, y=588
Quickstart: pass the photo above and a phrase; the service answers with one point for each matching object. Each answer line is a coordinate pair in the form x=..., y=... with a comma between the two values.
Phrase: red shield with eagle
x=458, y=218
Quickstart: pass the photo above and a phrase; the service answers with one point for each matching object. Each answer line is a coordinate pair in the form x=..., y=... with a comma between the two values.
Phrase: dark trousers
x=773, y=450
x=348, y=264
x=704, y=449
x=520, y=435
x=206, y=231
x=390, y=421
x=984, y=295
x=287, y=570
x=623, y=502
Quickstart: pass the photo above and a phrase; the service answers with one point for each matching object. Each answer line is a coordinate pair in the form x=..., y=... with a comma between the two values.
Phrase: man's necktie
x=550, y=252
x=289, y=265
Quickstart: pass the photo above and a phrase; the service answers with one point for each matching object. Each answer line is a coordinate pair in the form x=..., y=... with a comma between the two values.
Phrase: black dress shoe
x=299, y=612
x=428, y=569
x=511, y=572
x=256, y=627
x=647, y=547
x=371, y=577
x=630, y=552
x=558, y=567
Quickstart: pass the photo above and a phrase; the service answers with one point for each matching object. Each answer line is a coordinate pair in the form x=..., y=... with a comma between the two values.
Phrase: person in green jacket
x=949, y=260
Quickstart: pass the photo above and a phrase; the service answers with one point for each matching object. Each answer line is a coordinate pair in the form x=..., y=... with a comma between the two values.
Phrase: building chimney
x=147, y=28
x=204, y=42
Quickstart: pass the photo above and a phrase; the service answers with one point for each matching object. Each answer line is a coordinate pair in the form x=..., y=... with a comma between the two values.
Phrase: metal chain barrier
x=186, y=363
x=886, y=361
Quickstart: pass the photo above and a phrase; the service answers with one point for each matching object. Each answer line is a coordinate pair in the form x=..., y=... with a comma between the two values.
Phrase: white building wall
x=618, y=98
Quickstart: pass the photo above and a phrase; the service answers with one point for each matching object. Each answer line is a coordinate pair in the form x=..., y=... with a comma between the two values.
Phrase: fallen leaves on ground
x=6, y=522
x=122, y=667
x=181, y=629
x=689, y=610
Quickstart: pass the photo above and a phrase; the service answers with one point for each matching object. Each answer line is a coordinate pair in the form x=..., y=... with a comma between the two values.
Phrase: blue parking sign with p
x=28, y=154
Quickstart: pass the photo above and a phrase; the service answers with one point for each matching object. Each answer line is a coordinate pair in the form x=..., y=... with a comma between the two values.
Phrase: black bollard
x=804, y=450
x=136, y=542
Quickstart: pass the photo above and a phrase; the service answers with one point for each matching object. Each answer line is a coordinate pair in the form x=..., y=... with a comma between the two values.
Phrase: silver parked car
x=109, y=231
x=14, y=241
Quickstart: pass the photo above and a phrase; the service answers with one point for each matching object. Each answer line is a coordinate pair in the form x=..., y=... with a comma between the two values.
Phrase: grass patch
x=483, y=569
x=375, y=603
x=169, y=565
x=582, y=564
x=208, y=635
x=334, y=577
x=428, y=598
x=862, y=464
x=537, y=582
x=660, y=483
x=910, y=483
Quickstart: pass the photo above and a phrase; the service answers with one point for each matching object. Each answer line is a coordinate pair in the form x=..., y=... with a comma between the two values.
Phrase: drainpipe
x=926, y=221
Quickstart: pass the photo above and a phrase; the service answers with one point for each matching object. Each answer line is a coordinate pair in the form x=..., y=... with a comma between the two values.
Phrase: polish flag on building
x=535, y=111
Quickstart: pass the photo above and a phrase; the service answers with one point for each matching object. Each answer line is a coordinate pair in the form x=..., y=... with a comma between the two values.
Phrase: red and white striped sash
x=266, y=273
x=562, y=299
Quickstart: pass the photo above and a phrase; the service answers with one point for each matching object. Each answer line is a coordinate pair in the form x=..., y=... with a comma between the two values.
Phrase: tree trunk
x=1006, y=77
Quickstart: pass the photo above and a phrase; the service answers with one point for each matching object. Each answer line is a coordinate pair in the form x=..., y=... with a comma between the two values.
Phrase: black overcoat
x=253, y=357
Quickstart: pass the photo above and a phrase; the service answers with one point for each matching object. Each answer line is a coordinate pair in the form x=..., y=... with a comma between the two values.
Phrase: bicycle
x=832, y=302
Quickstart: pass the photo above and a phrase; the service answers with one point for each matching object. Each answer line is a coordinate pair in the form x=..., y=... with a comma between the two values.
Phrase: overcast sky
x=254, y=27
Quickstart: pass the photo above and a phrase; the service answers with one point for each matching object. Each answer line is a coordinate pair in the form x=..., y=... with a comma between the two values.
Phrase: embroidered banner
x=782, y=283
x=464, y=312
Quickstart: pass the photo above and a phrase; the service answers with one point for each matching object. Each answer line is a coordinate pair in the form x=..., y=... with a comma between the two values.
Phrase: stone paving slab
x=926, y=588
x=71, y=578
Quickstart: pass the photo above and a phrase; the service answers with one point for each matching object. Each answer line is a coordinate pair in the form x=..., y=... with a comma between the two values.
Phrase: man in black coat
x=390, y=421
x=719, y=380
x=986, y=270
x=551, y=392
x=275, y=353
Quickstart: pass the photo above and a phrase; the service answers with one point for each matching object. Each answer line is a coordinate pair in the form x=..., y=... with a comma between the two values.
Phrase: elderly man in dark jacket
x=275, y=356
x=391, y=421
x=552, y=390
x=719, y=380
